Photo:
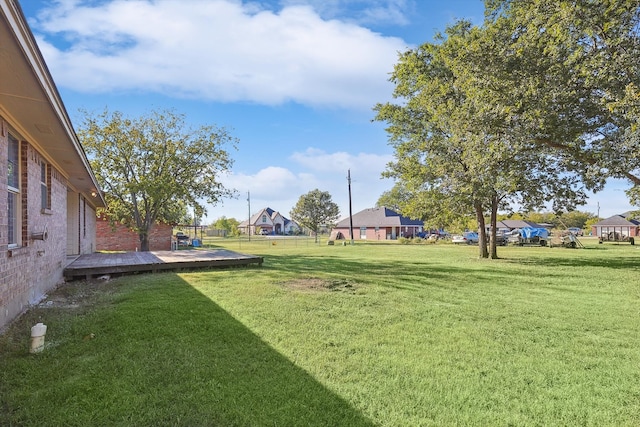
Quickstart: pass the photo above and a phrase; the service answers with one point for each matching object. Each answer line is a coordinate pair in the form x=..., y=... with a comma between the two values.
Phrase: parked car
x=467, y=238
x=471, y=236
x=458, y=239
x=513, y=236
x=576, y=231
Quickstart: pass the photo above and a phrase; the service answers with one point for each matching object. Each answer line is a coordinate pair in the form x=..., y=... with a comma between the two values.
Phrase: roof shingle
x=379, y=217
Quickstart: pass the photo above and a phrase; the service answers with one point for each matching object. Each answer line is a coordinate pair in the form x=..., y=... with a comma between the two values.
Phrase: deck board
x=98, y=264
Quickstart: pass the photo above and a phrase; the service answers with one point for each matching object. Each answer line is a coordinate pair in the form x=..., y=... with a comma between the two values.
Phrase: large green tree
x=451, y=149
x=314, y=210
x=155, y=166
x=571, y=82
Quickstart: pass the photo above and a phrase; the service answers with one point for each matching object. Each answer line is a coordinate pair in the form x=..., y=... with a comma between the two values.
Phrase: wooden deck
x=99, y=264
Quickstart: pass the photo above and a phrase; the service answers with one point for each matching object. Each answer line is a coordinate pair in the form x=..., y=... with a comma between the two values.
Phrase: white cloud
x=272, y=183
x=365, y=163
x=220, y=50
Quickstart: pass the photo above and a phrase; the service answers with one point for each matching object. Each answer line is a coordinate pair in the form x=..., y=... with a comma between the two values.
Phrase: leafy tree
x=315, y=209
x=511, y=215
x=230, y=225
x=574, y=219
x=557, y=220
x=452, y=152
x=394, y=198
x=153, y=167
x=413, y=204
x=591, y=222
x=571, y=82
x=542, y=217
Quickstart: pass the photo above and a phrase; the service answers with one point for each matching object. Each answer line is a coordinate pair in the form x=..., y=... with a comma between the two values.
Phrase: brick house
x=268, y=221
x=117, y=237
x=622, y=227
x=48, y=212
x=377, y=224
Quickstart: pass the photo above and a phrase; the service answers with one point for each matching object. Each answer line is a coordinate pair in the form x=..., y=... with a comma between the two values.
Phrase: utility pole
x=350, y=210
x=249, y=221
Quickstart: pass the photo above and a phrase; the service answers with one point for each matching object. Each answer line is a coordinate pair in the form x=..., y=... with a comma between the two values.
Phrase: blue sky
x=294, y=80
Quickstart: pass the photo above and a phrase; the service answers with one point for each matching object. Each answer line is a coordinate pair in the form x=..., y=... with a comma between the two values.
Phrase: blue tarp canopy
x=529, y=232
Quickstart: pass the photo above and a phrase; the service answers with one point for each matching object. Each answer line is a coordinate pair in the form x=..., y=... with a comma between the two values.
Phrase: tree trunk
x=144, y=242
x=493, y=251
x=482, y=230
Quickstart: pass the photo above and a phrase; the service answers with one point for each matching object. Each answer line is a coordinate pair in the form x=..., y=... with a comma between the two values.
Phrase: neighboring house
x=117, y=237
x=48, y=211
x=377, y=224
x=617, y=228
x=268, y=221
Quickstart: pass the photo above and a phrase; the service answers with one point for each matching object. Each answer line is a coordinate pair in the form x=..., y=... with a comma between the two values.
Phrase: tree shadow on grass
x=160, y=353
x=414, y=276
x=359, y=270
x=614, y=263
x=390, y=274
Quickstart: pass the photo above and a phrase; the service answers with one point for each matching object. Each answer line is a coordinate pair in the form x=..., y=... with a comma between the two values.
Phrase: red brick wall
x=117, y=237
x=383, y=233
x=30, y=270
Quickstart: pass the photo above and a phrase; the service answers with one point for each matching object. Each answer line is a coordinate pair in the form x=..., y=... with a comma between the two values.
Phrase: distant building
x=617, y=228
x=268, y=221
x=377, y=224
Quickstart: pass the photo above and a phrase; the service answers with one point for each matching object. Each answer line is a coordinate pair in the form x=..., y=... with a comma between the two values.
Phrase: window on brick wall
x=13, y=186
x=45, y=185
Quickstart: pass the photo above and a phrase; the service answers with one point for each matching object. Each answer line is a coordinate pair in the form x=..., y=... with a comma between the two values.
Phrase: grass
x=371, y=334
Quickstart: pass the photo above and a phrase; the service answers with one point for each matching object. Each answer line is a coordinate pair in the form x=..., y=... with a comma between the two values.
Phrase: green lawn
x=371, y=334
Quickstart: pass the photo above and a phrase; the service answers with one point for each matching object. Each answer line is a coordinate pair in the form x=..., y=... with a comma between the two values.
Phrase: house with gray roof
x=379, y=223
x=268, y=221
x=619, y=228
